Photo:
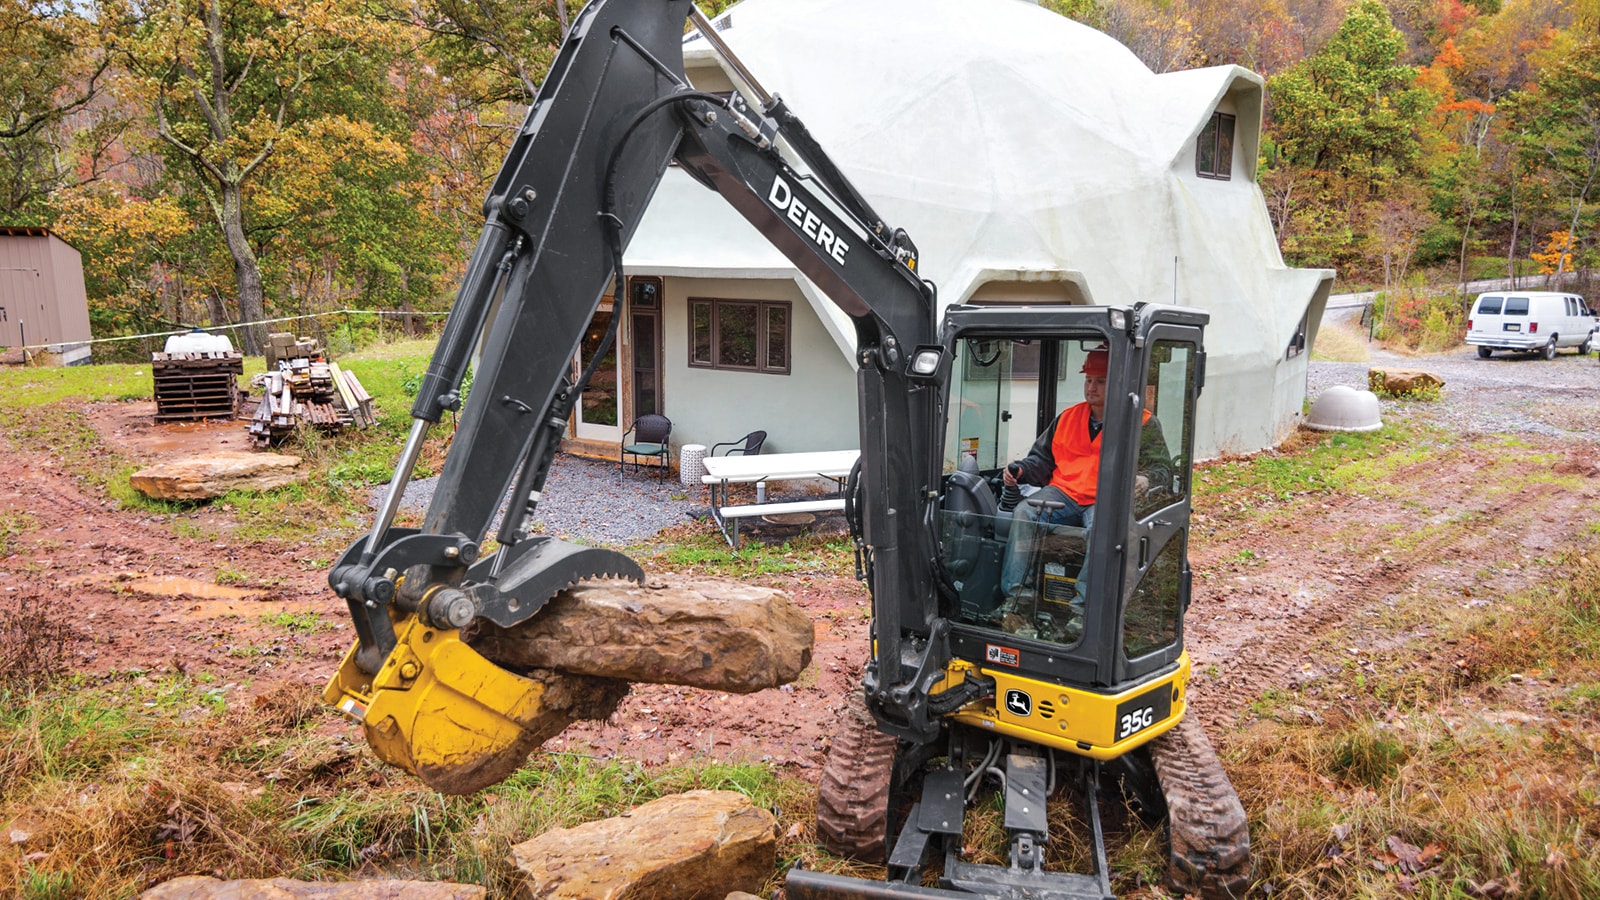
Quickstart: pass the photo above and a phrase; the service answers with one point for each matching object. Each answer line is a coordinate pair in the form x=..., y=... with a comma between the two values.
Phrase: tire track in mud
x=77, y=551
x=1254, y=627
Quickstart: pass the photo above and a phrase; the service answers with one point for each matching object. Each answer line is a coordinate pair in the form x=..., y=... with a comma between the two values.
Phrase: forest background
x=227, y=161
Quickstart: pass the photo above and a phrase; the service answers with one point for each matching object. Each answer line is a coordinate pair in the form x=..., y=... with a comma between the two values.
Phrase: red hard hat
x=1096, y=363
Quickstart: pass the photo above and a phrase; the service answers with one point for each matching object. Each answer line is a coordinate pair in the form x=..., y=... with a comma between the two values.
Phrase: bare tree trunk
x=217, y=309
x=246, y=270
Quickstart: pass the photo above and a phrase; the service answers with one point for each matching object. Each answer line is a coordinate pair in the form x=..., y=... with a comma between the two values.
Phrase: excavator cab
x=1087, y=610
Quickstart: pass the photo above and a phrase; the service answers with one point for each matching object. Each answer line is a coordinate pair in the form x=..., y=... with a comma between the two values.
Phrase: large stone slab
x=707, y=633
x=215, y=474
x=694, y=846
x=204, y=887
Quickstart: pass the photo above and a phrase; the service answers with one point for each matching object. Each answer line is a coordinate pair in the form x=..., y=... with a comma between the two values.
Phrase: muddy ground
x=145, y=596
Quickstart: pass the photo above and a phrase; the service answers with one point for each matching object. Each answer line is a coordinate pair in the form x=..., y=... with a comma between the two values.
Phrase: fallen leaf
x=1406, y=855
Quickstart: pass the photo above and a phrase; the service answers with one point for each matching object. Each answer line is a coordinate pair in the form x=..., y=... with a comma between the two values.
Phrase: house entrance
x=597, y=414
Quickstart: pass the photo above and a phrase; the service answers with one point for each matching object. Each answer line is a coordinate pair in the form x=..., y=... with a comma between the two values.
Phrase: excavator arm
x=613, y=114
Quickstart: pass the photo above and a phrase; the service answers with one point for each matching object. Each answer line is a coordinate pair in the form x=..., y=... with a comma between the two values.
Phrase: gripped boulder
x=214, y=474
x=698, y=845
x=715, y=634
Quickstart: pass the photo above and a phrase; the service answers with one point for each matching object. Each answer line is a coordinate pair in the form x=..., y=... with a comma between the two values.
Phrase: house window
x=1297, y=343
x=740, y=335
x=1213, y=150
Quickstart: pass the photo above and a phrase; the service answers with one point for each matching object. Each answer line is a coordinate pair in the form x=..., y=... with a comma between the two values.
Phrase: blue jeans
x=1028, y=525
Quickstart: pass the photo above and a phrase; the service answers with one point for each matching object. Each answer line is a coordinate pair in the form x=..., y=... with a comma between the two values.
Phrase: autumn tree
x=1557, y=123
x=227, y=84
x=1344, y=125
x=52, y=72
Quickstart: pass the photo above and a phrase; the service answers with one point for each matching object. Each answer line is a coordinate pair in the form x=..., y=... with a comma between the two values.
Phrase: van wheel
x=1583, y=348
x=1549, y=351
x=1485, y=353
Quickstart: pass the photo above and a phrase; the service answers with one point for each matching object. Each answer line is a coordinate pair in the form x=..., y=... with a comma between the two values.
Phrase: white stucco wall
x=811, y=408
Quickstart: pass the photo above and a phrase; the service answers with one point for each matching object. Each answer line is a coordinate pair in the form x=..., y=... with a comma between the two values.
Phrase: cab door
x=1157, y=580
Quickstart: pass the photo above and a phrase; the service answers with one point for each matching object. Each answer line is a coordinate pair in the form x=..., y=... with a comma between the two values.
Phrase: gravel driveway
x=1508, y=393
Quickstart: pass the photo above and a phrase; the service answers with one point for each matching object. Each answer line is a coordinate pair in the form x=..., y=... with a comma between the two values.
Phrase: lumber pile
x=307, y=390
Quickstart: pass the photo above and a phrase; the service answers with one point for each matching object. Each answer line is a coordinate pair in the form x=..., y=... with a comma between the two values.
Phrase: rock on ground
x=212, y=475
x=1402, y=382
x=204, y=887
x=698, y=845
x=707, y=633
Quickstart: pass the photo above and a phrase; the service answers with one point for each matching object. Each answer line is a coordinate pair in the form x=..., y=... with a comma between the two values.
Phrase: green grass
x=13, y=522
x=310, y=622
x=30, y=388
x=706, y=553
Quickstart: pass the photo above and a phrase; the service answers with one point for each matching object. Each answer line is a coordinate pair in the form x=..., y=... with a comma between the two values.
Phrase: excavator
x=1029, y=663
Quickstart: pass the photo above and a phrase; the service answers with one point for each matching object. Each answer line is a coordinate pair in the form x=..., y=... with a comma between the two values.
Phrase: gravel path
x=1508, y=393
x=587, y=501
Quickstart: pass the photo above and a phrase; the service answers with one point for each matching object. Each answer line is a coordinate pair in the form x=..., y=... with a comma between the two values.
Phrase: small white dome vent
x=1342, y=408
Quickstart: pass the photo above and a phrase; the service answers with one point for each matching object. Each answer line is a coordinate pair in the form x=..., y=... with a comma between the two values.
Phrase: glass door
x=597, y=413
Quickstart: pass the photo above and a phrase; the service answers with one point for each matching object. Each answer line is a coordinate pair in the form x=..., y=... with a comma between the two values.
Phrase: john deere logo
x=1018, y=703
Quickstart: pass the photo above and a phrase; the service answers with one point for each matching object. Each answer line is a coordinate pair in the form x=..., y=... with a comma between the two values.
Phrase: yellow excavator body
x=1099, y=726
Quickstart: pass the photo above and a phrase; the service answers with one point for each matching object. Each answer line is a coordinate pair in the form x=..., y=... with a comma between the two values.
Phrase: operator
x=1066, y=461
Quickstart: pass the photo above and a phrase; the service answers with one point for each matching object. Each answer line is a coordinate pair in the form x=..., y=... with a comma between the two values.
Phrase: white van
x=1530, y=321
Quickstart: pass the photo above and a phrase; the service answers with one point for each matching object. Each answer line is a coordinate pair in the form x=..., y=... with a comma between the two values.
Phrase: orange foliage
x=1557, y=255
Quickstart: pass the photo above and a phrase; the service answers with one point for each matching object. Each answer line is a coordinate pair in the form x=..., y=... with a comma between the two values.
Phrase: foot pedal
x=1027, y=780
x=942, y=802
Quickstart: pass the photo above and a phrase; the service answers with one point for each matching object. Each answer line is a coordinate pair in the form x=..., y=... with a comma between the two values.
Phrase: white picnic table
x=724, y=471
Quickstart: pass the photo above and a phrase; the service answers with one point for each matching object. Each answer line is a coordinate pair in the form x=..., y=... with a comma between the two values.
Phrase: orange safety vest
x=1077, y=471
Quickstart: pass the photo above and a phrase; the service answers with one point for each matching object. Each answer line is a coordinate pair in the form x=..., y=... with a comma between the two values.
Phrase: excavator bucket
x=441, y=711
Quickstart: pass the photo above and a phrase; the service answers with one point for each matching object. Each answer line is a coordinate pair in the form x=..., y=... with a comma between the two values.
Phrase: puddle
x=177, y=585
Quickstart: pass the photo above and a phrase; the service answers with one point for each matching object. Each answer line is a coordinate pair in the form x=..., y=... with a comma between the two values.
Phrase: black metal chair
x=749, y=445
x=650, y=439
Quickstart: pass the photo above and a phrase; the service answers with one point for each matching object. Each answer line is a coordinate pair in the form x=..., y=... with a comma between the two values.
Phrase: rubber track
x=853, y=796
x=1208, y=829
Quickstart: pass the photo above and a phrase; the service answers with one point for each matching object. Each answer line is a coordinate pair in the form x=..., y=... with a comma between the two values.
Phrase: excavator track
x=1208, y=829
x=853, y=797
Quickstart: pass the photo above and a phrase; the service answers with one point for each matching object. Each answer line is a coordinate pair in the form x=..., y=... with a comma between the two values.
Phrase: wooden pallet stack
x=201, y=385
x=308, y=390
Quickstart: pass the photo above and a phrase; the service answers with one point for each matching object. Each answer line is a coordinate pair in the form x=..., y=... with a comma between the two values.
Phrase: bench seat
x=833, y=504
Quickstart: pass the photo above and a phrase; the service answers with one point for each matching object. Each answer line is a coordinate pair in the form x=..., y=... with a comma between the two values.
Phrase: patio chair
x=650, y=433
x=749, y=445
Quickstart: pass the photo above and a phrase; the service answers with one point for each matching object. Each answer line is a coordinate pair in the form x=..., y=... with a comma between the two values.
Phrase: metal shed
x=43, y=307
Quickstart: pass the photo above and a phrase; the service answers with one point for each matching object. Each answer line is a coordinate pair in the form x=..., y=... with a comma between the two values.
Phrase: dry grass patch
x=1457, y=761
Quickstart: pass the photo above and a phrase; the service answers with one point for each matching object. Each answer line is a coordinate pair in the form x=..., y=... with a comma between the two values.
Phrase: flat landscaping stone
x=698, y=845
x=215, y=474
x=204, y=887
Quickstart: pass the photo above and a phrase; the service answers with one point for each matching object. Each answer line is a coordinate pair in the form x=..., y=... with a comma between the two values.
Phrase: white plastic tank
x=198, y=342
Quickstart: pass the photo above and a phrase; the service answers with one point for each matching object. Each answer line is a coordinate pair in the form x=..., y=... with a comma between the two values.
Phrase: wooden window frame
x=1221, y=162
x=762, y=343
